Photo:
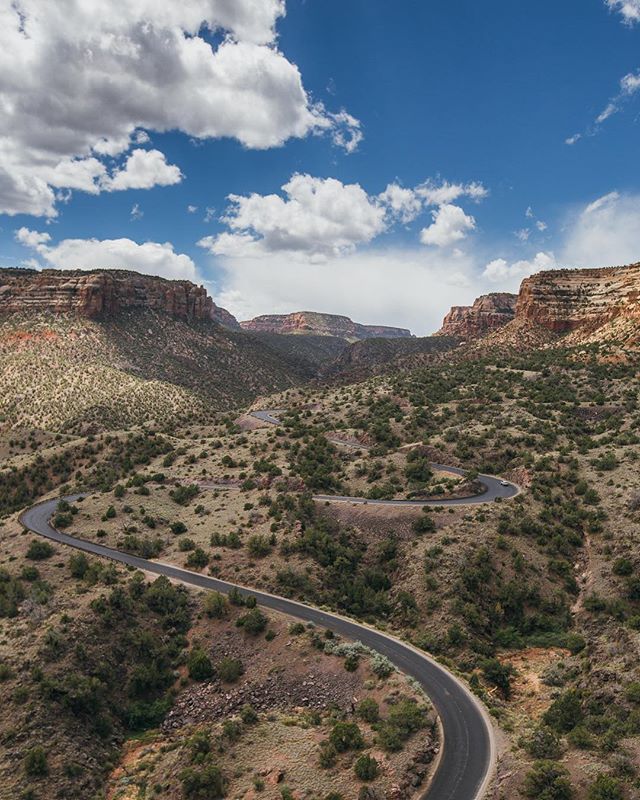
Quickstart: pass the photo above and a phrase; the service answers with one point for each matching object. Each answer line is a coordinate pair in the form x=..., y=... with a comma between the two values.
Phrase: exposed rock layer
x=311, y=322
x=582, y=299
x=489, y=312
x=103, y=293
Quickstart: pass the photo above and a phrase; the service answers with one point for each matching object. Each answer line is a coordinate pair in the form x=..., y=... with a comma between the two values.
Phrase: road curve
x=493, y=488
x=467, y=757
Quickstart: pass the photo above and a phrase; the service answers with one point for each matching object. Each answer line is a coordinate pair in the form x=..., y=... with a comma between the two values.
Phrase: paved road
x=492, y=487
x=468, y=756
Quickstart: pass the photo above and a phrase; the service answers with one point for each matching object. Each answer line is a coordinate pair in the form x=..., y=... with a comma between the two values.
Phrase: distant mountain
x=318, y=324
x=489, y=312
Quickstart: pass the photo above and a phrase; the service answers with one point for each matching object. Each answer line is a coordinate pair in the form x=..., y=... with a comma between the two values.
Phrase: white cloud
x=317, y=217
x=523, y=234
x=605, y=233
x=541, y=226
x=403, y=204
x=443, y=193
x=152, y=258
x=450, y=225
x=573, y=139
x=509, y=275
x=142, y=170
x=83, y=83
x=136, y=212
x=630, y=9
x=192, y=209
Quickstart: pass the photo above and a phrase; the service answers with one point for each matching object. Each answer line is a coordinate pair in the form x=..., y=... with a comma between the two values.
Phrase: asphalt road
x=493, y=487
x=467, y=757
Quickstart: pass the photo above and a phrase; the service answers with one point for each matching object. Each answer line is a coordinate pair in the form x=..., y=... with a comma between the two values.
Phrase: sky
x=380, y=160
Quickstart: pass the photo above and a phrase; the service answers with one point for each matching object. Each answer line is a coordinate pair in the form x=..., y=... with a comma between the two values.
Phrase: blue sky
x=352, y=97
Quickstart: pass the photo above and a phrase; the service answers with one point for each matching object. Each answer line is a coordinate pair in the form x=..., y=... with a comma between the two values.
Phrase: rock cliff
x=585, y=300
x=103, y=293
x=311, y=322
x=489, y=312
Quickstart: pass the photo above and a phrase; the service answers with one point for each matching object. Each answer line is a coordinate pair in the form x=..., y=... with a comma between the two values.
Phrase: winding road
x=467, y=758
x=493, y=488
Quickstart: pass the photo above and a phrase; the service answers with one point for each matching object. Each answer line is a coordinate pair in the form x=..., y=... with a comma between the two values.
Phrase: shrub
x=543, y=743
x=328, y=755
x=368, y=710
x=565, y=712
x=230, y=669
x=248, y=714
x=547, y=781
x=346, y=736
x=186, y=544
x=499, y=675
x=35, y=763
x=183, y=495
x=254, y=621
x=381, y=666
x=424, y=524
x=177, y=528
x=199, y=665
x=39, y=550
x=366, y=768
x=622, y=566
x=197, y=558
x=78, y=565
x=215, y=605
x=605, y=788
x=207, y=783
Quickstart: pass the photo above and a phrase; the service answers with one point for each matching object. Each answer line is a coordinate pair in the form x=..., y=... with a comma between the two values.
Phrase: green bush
x=253, y=622
x=39, y=550
x=368, y=710
x=547, y=781
x=543, y=743
x=199, y=665
x=346, y=736
x=215, y=605
x=177, y=528
x=207, y=783
x=366, y=768
x=230, y=669
x=565, y=712
x=35, y=763
x=197, y=559
x=605, y=787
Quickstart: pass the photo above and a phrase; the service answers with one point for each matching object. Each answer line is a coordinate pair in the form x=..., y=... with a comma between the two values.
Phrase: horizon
x=365, y=171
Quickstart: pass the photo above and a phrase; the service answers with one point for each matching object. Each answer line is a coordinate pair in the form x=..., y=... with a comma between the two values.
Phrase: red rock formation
x=580, y=299
x=98, y=293
x=312, y=322
x=489, y=312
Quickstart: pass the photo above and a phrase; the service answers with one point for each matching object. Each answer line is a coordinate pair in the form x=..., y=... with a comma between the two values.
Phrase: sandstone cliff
x=103, y=293
x=489, y=312
x=311, y=322
x=584, y=300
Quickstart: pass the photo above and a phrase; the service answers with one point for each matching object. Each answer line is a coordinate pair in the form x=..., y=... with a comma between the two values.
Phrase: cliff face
x=583, y=300
x=489, y=312
x=103, y=293
x=311, y=322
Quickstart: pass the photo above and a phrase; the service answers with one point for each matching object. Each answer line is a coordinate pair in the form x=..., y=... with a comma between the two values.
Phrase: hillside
x=318, y=324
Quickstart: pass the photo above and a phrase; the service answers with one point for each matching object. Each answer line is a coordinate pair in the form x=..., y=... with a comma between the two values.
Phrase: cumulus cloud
x=142, y=170
x=317, y=217
x=152, y=258
x=84, y=85
x=450, y=225
x=630, y=9
x=321, y=217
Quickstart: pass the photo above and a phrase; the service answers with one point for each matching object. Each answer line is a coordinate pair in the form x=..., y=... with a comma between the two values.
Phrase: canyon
x=489, y=312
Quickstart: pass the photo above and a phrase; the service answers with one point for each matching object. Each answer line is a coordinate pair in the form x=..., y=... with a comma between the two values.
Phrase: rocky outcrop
x=104, y=293
x=584, y=300
x=311, y=322
x=489, y=312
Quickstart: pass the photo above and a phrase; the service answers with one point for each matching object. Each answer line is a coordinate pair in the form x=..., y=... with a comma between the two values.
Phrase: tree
x=254, y=621
x=547, y=781
x=230, y=669
x=368, y=710
x=199, y=665
x=78, y=565
x=499, y=675
x=366, y=768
